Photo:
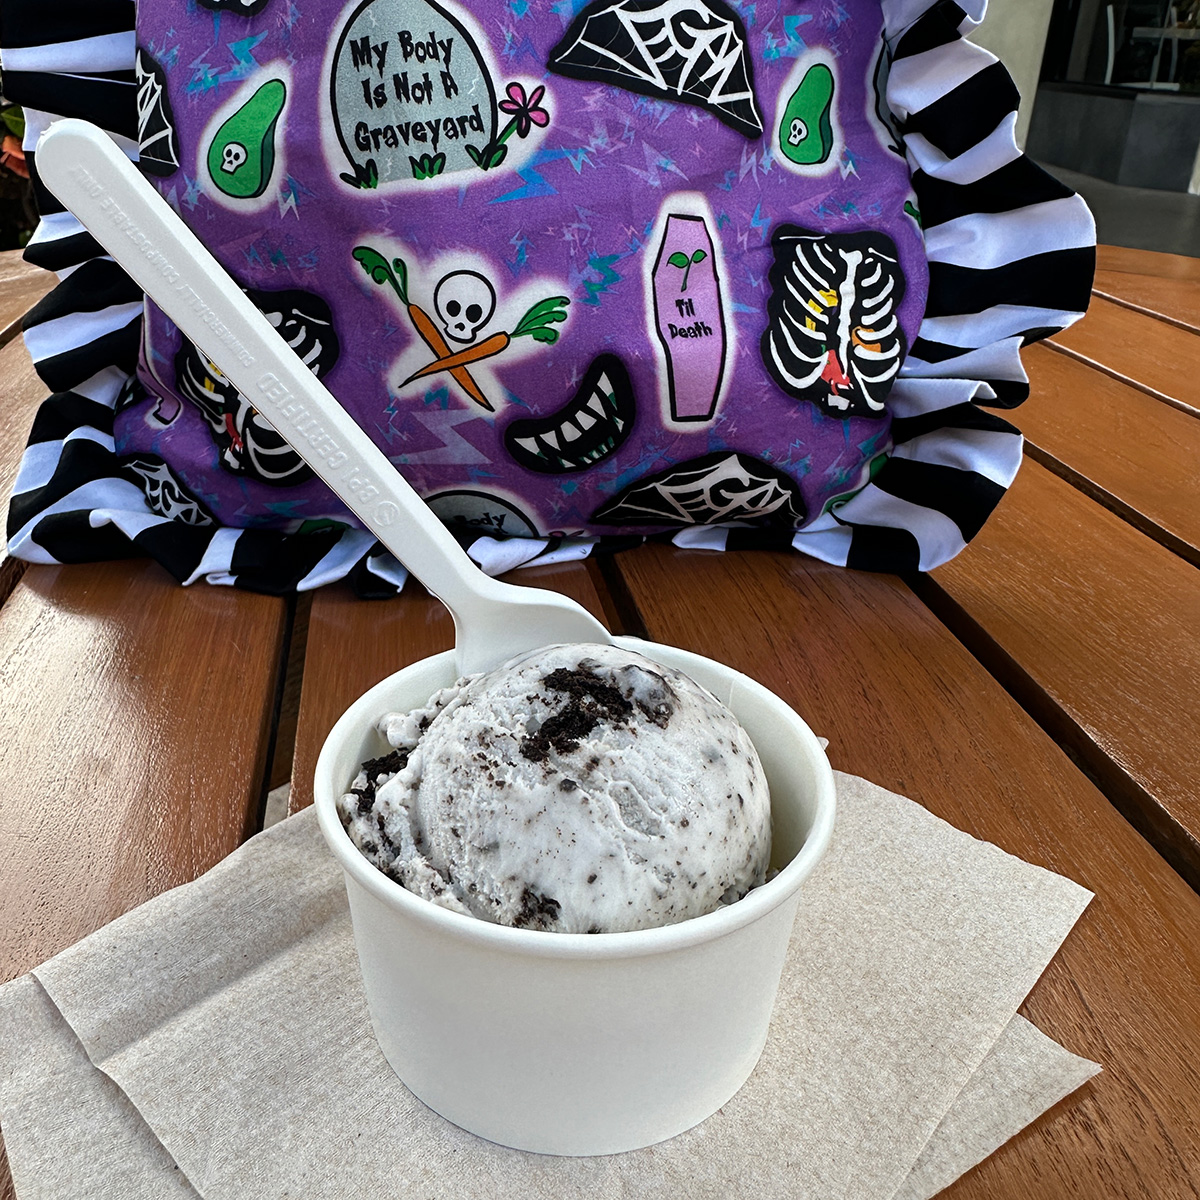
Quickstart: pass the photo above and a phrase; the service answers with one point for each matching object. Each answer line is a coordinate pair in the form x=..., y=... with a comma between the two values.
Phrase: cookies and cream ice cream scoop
x=584, y=789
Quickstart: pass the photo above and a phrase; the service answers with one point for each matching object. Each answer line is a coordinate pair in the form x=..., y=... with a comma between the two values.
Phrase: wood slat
x=1136, y=455
x=1097, y=629
x=1147, y=262
x=133, y=742
x=904, y=704
x=1137, y=348
x=21, y=287
x=353, y=644
x=1173, y=300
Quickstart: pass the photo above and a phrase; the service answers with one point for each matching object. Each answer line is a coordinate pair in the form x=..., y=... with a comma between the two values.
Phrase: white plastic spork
x=493, y=621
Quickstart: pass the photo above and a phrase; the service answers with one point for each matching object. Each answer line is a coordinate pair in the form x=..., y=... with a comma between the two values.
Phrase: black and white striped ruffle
x=1011, y=256
x=1010, y=251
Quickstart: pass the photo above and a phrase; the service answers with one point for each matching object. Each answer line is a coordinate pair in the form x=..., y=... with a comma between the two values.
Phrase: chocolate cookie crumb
x=536, y=912
x=386, y=764
x=590, y=699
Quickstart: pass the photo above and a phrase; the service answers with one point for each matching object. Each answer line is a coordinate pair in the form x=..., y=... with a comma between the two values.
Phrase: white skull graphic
x=465, y=302
x=232, y=157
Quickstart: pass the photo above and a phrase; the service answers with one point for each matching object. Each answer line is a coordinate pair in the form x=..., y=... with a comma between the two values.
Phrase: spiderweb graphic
x=158, y=144
x=721, y=488
x=690, y=51
x=164, y=493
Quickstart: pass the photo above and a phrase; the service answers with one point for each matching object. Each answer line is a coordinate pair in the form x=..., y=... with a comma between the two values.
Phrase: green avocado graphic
x=242, y=155
x=806, y=132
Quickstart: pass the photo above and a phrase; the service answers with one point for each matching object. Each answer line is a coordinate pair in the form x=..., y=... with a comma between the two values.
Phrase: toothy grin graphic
x=586, y=430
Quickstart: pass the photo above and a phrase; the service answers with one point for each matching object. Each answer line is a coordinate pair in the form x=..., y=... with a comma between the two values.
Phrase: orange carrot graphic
x=535, y=324
x=432, y=337
x=452, y=362
x=377, y=267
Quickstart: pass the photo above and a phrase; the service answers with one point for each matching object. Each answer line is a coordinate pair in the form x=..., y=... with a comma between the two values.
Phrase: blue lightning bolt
x=515, y=50
x=203, y=78
x=838, y=16
x=655, y=162
x=578, y=158
x=442, y=421
x=746, y=11
x=523, y=246
x=168, y=58
x=287, y=508
x=761, y=223
x=647, y=106
x=243, y=57
x=566, y=9
x=289, y=196
x=608, y=277
x=535, y=184
x=191, y=195
x=793, y=44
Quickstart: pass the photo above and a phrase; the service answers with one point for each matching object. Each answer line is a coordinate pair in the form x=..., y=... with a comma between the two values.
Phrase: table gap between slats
x=1112, y=681
x=1185, y=291
x=906, y=705
x=1124, y=449
x=1137, y=349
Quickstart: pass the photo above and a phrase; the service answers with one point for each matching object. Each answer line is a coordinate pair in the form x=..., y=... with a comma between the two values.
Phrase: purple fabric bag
x=584, y=271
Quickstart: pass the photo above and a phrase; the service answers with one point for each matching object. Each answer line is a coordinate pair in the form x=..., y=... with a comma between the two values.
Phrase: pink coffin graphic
x=689, y=317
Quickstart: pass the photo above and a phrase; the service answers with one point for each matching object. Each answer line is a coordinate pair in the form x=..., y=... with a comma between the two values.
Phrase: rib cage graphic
x=834, y=335
x=249, y=444
x=683, y=50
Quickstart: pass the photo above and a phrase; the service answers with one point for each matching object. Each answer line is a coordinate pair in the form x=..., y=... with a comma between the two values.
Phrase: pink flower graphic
x=524, y=110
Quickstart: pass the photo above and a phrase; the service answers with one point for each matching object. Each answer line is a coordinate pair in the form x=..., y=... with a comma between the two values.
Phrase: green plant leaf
x=678, y=259
x=498, y=156
x=699, y=256
x=544, y=312
x=542, y=307
x=377, y=267
x=474, y=155
x=14, y=120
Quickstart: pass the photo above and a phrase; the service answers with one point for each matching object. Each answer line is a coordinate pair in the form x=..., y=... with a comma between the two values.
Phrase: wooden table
x=1038, y=692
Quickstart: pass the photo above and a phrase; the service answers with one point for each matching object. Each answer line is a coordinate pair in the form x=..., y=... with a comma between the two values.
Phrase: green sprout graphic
x=685, y=264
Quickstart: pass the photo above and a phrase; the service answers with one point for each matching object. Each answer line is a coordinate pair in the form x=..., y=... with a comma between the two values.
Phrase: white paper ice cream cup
x=579, y=1043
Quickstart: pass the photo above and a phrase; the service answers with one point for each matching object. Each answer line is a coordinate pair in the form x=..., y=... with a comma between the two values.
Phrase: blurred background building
x=1110, y=103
